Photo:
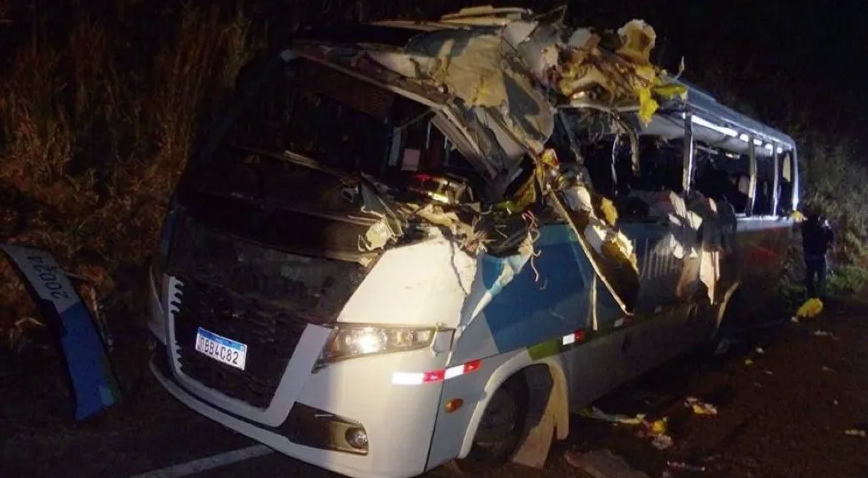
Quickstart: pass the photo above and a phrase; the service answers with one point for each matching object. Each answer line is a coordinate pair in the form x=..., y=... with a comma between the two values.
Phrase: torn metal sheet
x=92, y=380
x=530, y=297
x=502, y=75
x=479, y=67
x=384, y=231
x=701, y=232
x=611, y=253
x=592, y=69
x=486, y=15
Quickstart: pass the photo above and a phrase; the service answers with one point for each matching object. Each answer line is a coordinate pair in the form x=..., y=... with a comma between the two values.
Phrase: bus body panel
x=398, y=419
x=494, y=316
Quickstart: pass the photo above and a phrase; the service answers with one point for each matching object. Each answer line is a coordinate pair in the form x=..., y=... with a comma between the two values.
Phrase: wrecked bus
x=415, y=242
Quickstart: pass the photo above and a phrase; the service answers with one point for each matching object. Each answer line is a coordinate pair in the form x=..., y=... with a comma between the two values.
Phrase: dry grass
x=100, y=109
x=90, y=147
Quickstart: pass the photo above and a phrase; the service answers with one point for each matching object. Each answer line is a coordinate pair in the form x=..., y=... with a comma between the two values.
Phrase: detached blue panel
x=86, y=361
x=527, y=311
x=91, y=376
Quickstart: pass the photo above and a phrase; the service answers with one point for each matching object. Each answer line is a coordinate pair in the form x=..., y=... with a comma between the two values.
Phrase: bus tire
x=502, y=426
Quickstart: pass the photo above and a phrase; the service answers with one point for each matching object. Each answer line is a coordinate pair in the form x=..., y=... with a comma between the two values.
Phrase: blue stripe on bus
x=530, y=310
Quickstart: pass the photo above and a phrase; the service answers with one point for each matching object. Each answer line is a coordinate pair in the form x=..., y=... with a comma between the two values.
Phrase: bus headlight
x=348, y=341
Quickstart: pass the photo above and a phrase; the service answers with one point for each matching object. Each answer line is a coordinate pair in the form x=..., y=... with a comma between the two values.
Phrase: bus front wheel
x=502, y=425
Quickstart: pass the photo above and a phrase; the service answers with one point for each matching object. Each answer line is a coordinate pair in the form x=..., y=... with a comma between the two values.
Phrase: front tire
x=502, y=426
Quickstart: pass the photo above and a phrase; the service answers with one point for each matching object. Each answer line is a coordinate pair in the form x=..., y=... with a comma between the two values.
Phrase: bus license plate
x=221, y=349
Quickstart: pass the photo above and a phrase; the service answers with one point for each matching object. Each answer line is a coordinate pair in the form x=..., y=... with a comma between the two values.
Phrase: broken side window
x=787, y=168
x=660, y=165
x=763, y=204
x=722, y=175
x=599, y=164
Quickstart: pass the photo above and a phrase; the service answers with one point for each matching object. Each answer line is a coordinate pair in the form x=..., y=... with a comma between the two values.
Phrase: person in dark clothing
x=817, y=236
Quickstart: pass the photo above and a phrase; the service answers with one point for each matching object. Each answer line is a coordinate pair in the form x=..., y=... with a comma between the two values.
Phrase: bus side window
x=786, y=197
x=598, y=161
x=764, y=185
x=660, y=166
x=722, y=176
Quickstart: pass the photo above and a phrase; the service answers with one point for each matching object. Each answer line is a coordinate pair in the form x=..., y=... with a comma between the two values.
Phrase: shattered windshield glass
x=323, y=114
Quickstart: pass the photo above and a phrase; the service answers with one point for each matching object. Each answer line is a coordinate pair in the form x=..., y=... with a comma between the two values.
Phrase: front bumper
x=398, y=420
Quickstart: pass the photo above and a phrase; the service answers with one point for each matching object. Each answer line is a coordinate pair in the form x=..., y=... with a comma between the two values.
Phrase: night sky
x=798, y=65
x=795, y=62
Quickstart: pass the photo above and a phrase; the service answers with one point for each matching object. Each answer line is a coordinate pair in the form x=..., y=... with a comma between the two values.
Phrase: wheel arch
x=556, y=403
x=725, y=305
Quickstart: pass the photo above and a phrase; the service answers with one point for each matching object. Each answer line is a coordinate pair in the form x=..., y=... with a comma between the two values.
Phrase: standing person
x=817, y=236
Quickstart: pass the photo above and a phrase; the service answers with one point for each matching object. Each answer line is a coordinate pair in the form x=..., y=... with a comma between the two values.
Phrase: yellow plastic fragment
x=659, y=427
x=550, y=158
x=610, y=213
x=797, y=216
x=671, y=90
x=647, y=105
x=810, y=309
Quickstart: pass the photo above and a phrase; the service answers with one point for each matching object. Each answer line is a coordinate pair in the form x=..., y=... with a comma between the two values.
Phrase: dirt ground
x=785, y=396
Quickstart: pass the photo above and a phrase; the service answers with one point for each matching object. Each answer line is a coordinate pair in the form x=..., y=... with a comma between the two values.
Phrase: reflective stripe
x=405, y=378
x=574, y=337
x=454, y=371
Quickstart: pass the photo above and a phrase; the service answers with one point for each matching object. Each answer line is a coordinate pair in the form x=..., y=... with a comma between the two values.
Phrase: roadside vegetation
x=101, y=107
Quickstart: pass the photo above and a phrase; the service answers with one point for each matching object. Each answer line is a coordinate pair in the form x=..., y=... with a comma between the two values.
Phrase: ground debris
x=677, y=465
x=662, y=442
x=860, y=430
x=598, y=414
x=603, y=464
x=810, y=309
x=656, y=429
x=699, y=407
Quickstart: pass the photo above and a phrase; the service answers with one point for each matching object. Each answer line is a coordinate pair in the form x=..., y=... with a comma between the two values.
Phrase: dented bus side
x=374, y=261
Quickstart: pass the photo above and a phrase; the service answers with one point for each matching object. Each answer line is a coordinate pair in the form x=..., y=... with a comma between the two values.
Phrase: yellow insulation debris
x=810, y=309
x=626, y=76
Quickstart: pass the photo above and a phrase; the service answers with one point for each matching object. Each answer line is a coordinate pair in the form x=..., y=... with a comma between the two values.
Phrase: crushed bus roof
x=431, y=53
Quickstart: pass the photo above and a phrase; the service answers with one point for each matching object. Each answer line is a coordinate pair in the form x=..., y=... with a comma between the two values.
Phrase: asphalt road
x=785, y=397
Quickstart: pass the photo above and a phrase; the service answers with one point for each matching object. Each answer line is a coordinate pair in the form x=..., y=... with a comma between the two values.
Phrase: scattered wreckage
x=404, y=232
x=79, y=336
